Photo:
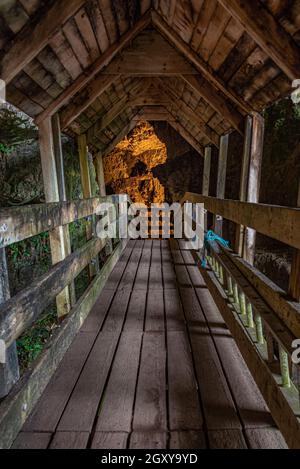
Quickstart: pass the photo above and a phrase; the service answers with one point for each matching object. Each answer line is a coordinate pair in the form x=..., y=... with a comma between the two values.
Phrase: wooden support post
x=59, y=161
x=240, y=229
x=59, y=241
x=87, y=194
x=206, y=177
x=100, y=174
x=221, y=183
x=9, y=365
x=102, y=189
x=294, y=285
x=257, y=143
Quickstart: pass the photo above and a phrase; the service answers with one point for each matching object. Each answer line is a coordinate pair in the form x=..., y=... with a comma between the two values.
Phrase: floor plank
x=174, y=312
x=116, y=275
x=155, y=312
x=148, y=440
x=265, y=438
x=150, y=413
x=142, y=276
x=115, y=319
x=184, y=406
x=117, y=404
x=226, y=439
x=32, y=440
x=82, y=407
x=45, y=418
x=169, y=275
x=129, y=274
x=136, y=311
x=98, y=313
x=109, y=440
x=70, y=440
x=252, y=407
x=155, y=276
x=188, y=440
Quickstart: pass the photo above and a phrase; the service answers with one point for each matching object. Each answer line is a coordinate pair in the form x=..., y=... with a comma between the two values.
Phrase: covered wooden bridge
x=159, y=352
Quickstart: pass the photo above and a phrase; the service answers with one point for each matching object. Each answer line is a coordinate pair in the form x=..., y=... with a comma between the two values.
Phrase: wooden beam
x=64, y=233
x=35, y=36
x=280, y=223
x=19, y=312
x=294, y=283
x=257, y=146
x=58, y=242
x=95, y=68
x=267, y=32
x=206, y=171
x=31, y=220
x=150, y=54
x=221, y=181
x=195, y=119
x=81, y=102
x=205, y=90
x=87, y=193
x=100, y=174
x=286, y=309
x=199, y=63
x=9, y=365
x=240, y=229
x=154, y=113
x=187, y=136
x=206, y=178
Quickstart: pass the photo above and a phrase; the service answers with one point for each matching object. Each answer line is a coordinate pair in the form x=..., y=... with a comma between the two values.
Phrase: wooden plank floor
x=154, y=366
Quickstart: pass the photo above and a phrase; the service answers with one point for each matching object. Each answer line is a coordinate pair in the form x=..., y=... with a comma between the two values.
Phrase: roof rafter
x=206, y=71
x=204, y=89
x=81, y=102
x=207, y=132
x=34, y=37
x=261, y=25
x=95, y=68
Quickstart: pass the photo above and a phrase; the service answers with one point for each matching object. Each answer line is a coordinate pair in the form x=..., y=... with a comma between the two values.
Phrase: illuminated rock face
x=129, y=167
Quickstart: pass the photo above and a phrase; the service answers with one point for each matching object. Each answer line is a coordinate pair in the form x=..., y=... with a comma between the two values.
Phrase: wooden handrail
x=18, y=313
x=280, y=223
x=19, y=223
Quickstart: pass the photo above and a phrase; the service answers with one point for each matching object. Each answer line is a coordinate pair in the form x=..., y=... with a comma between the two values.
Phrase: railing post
x=9, y=370
x=221, y=183
x=254, y=178
x=206, y=177
x=87, y=194
x=240, y=229
x=102, y=189
x=53, y=177
x=294, y=284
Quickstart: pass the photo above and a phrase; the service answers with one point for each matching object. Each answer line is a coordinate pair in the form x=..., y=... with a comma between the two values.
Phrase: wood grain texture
x=184, y=406
x=188, y=440
x=70, y=440
x=117, y=405
x=148, y=440
x=32, y=440
x=150, y=413
x=109, y=440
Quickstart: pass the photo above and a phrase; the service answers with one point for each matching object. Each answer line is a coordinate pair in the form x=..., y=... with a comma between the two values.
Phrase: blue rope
x=210, y=237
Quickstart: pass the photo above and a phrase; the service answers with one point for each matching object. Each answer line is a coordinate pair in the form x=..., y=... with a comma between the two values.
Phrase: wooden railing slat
x=280, y=223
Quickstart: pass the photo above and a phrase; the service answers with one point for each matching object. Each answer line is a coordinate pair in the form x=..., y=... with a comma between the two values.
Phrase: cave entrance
x=153, y=164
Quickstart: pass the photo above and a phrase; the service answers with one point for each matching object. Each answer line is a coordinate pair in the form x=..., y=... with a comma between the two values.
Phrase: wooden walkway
x=154, y=366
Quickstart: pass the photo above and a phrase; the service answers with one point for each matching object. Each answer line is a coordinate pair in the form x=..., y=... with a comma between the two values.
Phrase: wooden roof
x=203, y=64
